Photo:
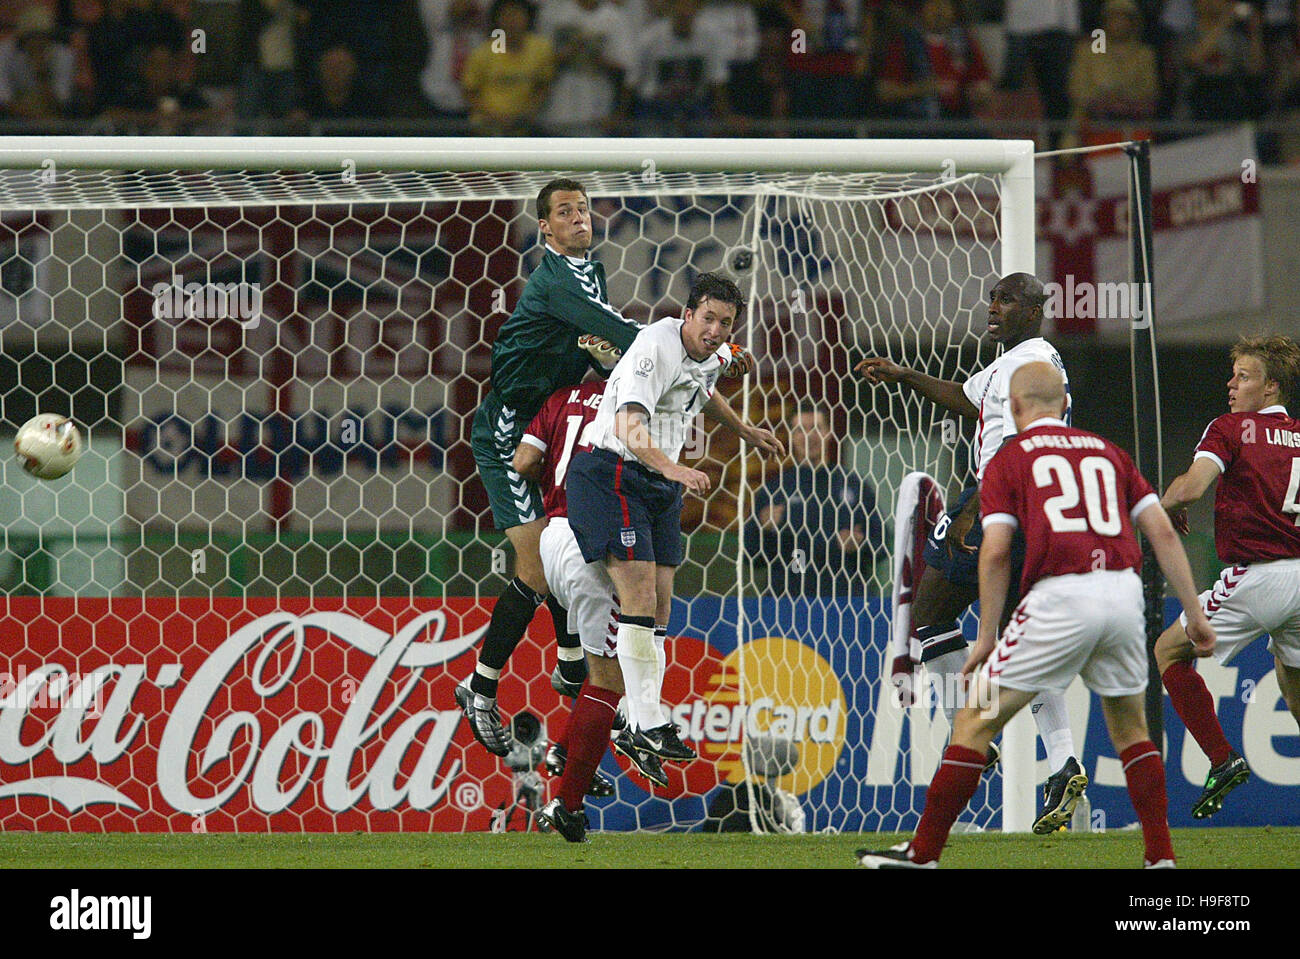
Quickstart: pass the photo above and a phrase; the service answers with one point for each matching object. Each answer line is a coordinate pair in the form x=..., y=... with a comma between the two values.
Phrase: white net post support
x=803, y=181
x=1018, y=738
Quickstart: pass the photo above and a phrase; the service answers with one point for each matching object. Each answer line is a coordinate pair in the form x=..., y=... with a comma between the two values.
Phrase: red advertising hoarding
x=227, y=714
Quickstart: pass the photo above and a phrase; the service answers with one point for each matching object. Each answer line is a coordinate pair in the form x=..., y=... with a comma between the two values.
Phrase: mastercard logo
x=776, y=694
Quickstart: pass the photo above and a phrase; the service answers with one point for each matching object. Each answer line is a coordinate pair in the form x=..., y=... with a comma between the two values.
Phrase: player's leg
x=589, y=593
x=1144, y=773
x=584, y=593
x=947, y=587
x=655, y=509
x=1284, y=638
x=609, y=518
x=661, y=738
x=963, y=762
x=1190, y=696
x=940, y=642
x=938, y=604
x=1052, y=719
x=625, y=743
x=634, y=582
x=664, y=506
x=590, y=724
x=1043, y=648
x=664, y=577
x=1288, y=681
x=1066, y=784
x=957, y=778
x=514, y=610
x=517, y=509
x=937, y=640
x=1234, y=607
x=1116, y=670
x=570, y=665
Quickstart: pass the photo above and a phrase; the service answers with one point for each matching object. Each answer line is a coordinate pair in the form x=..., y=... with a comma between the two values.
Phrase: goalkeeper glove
x=903, y=676
x=742, y=362
x=604, y=352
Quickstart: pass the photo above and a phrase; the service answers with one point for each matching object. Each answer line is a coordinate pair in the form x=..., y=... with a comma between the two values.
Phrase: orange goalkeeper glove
x=742, y=363
x=605, y=352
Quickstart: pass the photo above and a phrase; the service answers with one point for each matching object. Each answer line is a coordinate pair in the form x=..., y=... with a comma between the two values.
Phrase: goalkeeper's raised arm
x=947, y=393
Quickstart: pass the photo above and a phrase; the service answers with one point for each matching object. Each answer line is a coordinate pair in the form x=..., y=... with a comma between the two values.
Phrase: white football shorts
x=1089, y=625
x=1249, y=601
x=583, y=588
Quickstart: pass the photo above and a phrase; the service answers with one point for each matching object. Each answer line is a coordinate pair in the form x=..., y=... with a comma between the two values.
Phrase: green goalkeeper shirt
x=536, y=352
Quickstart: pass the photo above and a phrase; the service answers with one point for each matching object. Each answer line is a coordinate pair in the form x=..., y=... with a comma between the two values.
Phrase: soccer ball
x=49, y=445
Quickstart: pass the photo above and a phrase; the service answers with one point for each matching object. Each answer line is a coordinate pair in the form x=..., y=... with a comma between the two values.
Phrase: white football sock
x=661, y=656
x=949, y=692
x=1053, y=721
x=640, y=666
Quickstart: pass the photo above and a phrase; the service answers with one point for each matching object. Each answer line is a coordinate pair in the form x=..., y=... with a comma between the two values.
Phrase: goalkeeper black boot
x=895, y=857
x=1222, y=779
x=484, y=720
x=571, y=825
x=647, y=764
x=601, y=785
x=665, y=742
x=563, y=686
x=1061, y=794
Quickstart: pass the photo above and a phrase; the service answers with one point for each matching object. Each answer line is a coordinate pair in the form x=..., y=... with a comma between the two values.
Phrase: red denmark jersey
x=555, y=431
x=1073, y=493
x=1257, y=504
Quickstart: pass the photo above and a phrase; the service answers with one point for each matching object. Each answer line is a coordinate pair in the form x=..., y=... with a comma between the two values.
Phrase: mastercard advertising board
x=222, y=714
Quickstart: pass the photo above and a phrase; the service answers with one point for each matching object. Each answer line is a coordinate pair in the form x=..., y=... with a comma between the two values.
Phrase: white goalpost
x=275, y=553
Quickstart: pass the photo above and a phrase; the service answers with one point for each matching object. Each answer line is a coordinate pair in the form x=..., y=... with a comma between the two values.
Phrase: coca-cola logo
x=202, y=731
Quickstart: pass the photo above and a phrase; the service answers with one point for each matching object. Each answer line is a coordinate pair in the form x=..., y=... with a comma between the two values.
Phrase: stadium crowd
x=652, y=67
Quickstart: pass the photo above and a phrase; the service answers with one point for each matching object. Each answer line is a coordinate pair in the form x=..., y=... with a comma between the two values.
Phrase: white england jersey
x=989, y=390
x=657, y=373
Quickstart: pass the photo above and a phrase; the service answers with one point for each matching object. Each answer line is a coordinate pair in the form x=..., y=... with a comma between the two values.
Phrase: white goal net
x=247, y=606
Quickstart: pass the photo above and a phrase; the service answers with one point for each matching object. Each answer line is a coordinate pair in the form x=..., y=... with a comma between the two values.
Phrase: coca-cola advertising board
x=193, y=714
x=231, y=714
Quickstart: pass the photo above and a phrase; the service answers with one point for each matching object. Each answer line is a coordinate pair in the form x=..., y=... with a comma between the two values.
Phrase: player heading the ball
x=535, y=353
x=625, y=508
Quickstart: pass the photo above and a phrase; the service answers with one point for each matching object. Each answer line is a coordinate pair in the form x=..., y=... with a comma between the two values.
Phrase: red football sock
x=1195, y=706
x=588, y=738
x=563, y=740
x=1145, y=773
x=950, y=791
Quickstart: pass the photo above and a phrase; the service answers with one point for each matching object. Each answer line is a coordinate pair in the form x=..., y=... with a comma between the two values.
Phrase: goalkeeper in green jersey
x=536, y=352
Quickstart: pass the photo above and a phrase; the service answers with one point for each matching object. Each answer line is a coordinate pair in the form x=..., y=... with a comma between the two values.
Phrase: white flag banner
x=1208, y=235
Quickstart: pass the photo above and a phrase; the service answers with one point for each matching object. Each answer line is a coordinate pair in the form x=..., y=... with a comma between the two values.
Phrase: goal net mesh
x=247, y=606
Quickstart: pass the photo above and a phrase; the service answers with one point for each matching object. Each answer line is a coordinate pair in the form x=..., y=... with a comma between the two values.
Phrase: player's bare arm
x=720, y=411
x=528, y=462
x=947, y=393
x=1159, y=531
x=1187, y=489
x=995, y=581
x=632, y=427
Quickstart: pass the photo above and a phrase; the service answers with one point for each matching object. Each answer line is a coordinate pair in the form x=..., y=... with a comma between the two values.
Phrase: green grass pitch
x=1204, y=848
